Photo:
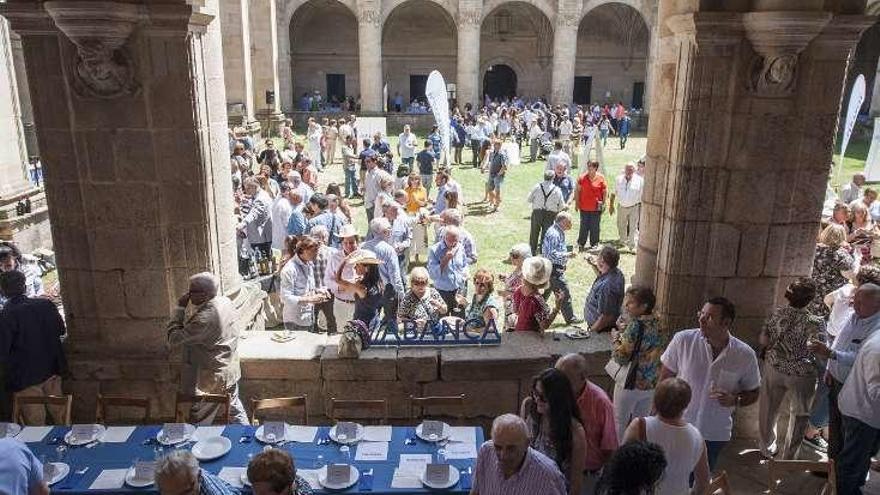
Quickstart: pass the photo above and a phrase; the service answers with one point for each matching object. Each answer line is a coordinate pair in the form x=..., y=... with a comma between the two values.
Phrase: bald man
x=597, y=415
x=506, y=465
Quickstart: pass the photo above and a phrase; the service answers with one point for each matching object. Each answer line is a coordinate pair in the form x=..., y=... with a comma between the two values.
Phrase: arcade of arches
x=744, y=102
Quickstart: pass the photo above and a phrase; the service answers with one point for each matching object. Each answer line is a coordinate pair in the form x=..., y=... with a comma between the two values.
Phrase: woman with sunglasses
x=555, y=427
x=483, y=308
x=422, y=303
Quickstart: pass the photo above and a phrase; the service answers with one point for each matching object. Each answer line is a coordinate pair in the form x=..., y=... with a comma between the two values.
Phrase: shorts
x=494, y=183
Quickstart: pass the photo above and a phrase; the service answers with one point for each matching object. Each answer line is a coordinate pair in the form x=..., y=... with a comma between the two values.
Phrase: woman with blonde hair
x=416, y=199
x=831, y=264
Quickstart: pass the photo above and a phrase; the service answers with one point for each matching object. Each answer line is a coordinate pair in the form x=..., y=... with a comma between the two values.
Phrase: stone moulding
x=102, y=67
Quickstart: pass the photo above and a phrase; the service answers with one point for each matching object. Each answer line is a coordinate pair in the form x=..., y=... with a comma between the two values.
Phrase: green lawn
x=856, y=154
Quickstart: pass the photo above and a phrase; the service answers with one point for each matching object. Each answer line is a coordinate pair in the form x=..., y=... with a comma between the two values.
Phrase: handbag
x=624, y=374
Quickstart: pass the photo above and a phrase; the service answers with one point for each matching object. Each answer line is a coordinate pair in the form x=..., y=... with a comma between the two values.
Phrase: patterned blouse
x=827, y=267
x=413, y=308
x=654, y=342
x=476, y=309
x=530, y=311
x=511, y=285
x=788, y=330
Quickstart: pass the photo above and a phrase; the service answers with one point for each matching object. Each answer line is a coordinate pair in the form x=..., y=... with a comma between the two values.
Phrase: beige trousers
x=800, y=391
x=36, y=414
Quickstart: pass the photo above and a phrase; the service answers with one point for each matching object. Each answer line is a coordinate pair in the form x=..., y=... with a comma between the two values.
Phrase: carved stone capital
x=369, y=15
x=568, y=20
x=708, y=30
x=470, y=17
x=102, y=68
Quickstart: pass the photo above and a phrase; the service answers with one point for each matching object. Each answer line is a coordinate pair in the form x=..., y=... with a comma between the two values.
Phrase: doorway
x=583, y=86
x=638, y=95
x=335, y=87
x=417, y=87
x=499, y=82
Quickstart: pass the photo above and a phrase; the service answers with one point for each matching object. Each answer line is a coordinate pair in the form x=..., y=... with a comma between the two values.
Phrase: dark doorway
x=583, y=87
x=638, y=95
x=499, y=82
x=335, y=87
x=417, y=87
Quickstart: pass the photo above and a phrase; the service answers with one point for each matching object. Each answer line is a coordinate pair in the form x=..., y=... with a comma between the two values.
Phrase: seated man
x=178, y=473
x=20, y=471
x=272, y=472
x=507, y=465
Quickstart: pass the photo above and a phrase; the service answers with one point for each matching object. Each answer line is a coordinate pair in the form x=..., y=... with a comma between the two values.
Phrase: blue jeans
x=860, y=443
x=819, y=411
x=589, y=228
x=351, y=182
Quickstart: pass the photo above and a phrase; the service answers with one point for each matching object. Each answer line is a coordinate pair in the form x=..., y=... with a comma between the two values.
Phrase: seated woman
x=367, y=286
x=483, y=307
x=512, y=282
x=272, y=472
x=555, y=427
x=680, y=440
x=422, y=303
x=532, y=312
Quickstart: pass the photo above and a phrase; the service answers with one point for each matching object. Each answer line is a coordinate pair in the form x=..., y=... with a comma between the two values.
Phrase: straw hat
x=347, y=230
x=536, y=271
x=363, y=257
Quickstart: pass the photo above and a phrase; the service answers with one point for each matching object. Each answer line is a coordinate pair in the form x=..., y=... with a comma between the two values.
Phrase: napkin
x=206, y=432
x=372, y=451
x=300, y=434
x=311, y=476
x=109, y=479
x=461, y=451
x=232, y=475
x=377, y=433
x=467, y=434
x=413, y=464
x=30, y=434
x=117, y=434
x=405, y=479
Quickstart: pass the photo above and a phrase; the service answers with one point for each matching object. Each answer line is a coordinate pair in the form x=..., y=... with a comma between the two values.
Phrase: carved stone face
x=781, y=69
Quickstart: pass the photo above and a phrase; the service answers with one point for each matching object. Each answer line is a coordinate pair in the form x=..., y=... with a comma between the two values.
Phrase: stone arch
x=646, y=8
x=287, y=8
x=515, y=33
x=388, y=7
x=873, y=7
x=544, y=6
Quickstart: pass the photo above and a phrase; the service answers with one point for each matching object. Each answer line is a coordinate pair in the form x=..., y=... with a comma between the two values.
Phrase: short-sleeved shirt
x=597, y=416
x=425, y=159
x=530, y=311
x=735, y=370
x=497, y=162
x=789, y=329
x=591, y=192
x=537, y=474
x=476, y=309
x=20, y=470
x=606, y=296
x=366, y=308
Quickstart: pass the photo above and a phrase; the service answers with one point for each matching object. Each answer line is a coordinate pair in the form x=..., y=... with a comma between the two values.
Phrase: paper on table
x=413, y=463
x=109, y=479
x=301, y=434
x=405, y=479
x=466, y=434
x=311, y=476
x=372, y=451
x=232, y=475
x=377, y=433
x=461, y=451
x=33, y=433
x=206, y=432
x=117, y=434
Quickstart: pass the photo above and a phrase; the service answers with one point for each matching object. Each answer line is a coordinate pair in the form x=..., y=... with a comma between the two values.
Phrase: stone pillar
x=237, y=69
x=264, y=62
x=14, y=160
x=467, y=83
x=283, y=18
x=564, y=54
x=370, y=55
x=736, y=171
x=653, y=40
x=875, y=94
x=137, y=176
x=24, y=96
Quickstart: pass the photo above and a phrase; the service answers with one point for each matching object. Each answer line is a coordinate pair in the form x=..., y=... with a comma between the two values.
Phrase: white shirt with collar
x=860, y=396
x=850, y=193
x=546, y=196
x=846, y=346
x=348, y=274
x=629, y=193
x=735, y=370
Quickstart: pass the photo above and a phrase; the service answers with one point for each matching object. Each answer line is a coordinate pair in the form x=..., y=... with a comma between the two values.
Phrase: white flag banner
x=856, y=98
x=385, y=97
x=435, y=92
x=872, y=165
x=587, y=148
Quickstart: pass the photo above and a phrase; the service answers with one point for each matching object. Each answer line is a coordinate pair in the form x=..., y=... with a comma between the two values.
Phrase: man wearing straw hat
x=343, y=299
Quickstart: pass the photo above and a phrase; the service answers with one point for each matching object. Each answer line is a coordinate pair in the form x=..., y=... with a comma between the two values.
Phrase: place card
x=81, y=432
x=430, y=427
x=174, y=432
x=437, y=474
x=273, y=429
x=117, y=434
x=405, y=480
x=232, y=475
x=414, y=463
x=346, y=428
x=31, y=434
x=206, y=432
x=377, y=433
x=109, y=479
x=467, y=434
x=461, y=450
x=145, y=470
x=338, y=474
x=372, y=451
x=301, y=434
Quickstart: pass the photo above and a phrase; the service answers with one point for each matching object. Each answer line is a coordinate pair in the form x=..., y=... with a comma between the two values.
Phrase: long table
x=103, y=456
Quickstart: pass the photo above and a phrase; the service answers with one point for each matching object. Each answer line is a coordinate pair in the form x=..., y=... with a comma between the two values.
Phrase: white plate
x=211, y=448
x=97, y=435
x=259, y=434
x=190, y=430
x=348, y=441
x=131, y=481
x=447, y=430
x=244, y=479
x=12, y=429
x=60, y=471
x=453, y=479
x=353, y=477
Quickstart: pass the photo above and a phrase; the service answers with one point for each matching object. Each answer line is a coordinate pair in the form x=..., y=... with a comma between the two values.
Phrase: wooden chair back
x=719, y=485
x=184, y=404
x=777, y=468
x=60, y=403
x=421, y=407
x=122, y=402
x=259, y=406
x=374, y=410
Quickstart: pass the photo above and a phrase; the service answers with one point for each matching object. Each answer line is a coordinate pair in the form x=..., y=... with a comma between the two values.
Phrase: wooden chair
x=418, y=406
x=184, y=404
x=777, y=468
x=59, y=403
x=261, y=405
x=375, y=410
x=121, y=402
x=720, y=485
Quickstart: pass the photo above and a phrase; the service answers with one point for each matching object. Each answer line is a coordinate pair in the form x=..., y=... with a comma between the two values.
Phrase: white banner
x=872, y=165
x=856, y=98
x=435, y=92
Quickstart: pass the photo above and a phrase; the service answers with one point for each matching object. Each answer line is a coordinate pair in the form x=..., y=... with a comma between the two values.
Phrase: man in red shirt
x=590, y=197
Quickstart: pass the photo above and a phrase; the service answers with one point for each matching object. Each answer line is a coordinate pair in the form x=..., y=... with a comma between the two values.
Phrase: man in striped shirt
x=506, y=465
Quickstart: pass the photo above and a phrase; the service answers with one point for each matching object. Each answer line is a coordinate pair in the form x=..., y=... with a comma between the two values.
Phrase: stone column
x=370, y=55
x=137, y=177
x=24, y=96
x=264, y=62
x=467, y=83
x=14, y=160
x=564, y=54
x=736, y=171
x=875, y=94
x=653, y=40
x=237, y=68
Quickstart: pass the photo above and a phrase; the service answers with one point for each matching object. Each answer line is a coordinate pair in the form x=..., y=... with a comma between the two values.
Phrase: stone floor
x=747, y=472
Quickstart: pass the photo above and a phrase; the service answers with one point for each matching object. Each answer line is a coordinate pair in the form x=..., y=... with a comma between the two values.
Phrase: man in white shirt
x=372, y=185
x=280, y=214
x=721, y=370
x=343, y=299
x=628, y=192
x=557, y=156
x=565, y=128
x=406, y=146
x=535, y=133
x=854, y=190
x=546, y=200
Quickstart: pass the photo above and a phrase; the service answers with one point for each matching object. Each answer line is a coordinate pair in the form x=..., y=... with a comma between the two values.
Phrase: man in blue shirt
x=20, y=471
x=436, y=141
x=606, y=295
x=322, y=216
x=447, y=266
x=390, y=268
x=426, y=159
x=554, y=249
x=562, y=179
x=297, y=223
